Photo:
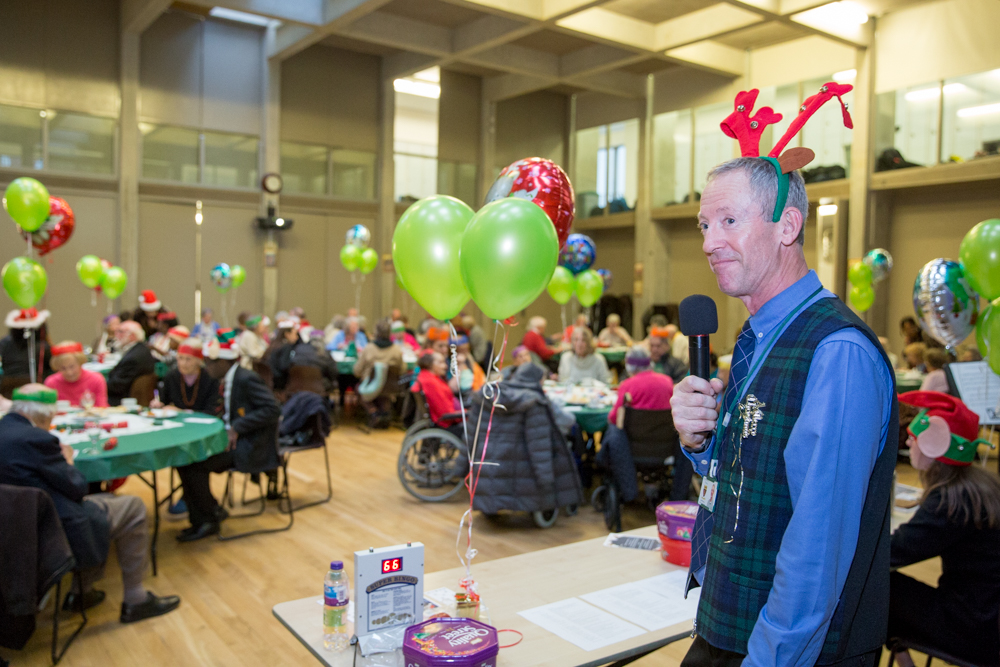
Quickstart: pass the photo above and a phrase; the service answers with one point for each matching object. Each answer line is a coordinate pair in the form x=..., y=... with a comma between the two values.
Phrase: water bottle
x=335, y=598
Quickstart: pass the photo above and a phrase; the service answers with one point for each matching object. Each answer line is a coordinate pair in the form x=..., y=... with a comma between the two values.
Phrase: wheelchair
x=654, y=443
x=430, y=456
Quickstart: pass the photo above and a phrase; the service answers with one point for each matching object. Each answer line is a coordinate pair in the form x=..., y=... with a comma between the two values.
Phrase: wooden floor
x=228, y=588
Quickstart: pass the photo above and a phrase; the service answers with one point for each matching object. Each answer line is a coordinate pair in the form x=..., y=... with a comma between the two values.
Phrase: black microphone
x=699, y=318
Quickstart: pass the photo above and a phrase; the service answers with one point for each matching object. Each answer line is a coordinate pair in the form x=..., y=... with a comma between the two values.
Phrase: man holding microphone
x=791, y=546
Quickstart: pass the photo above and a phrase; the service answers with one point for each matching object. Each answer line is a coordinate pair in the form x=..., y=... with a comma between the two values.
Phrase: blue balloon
x=608, y=278
x=578, y=253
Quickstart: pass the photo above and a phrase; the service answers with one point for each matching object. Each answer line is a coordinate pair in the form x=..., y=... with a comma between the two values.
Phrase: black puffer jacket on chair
x=534, y=468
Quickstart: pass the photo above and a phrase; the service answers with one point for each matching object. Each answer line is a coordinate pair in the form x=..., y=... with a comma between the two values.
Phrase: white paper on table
x=199, y=420
x=579, y=623
x=443, y=596
x=654, y=603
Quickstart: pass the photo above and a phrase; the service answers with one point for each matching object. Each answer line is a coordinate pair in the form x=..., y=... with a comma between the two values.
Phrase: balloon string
x=455, y=373
x=32, y=364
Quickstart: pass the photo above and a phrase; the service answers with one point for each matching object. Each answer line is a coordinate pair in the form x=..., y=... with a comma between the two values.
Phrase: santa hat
x=178, y=333
x=26, y=318
x=945, y=430
x=288, y=323
x=148, y=301
x=169, y=315
x=67, y=347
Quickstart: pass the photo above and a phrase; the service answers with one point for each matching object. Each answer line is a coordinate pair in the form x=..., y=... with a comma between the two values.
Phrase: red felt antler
x=746, y=129
x=812, y=104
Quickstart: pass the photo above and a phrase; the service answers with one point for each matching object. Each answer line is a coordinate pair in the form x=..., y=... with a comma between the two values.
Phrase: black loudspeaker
x=273, y=222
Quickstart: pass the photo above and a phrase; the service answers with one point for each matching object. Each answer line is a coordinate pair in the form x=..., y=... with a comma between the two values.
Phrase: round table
x=148, y=452
x=613, y=355
x=590, y=420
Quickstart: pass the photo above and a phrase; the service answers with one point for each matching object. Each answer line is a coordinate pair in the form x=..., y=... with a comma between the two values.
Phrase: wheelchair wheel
x=545, y=518
x=571, y=510
x=427, y=465
x=598, y=498
x=417, y=425
x=612, y=509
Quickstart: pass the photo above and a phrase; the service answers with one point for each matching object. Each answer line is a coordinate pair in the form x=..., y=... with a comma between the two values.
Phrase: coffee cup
x=130, y=404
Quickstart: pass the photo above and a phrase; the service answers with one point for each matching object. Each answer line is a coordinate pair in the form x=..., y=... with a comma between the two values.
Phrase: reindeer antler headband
x=747, y=129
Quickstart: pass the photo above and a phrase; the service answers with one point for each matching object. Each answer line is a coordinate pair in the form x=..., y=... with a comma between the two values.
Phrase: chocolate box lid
x=451, y=641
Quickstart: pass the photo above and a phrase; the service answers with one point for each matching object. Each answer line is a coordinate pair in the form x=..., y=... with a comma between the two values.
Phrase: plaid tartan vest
x=754, y=507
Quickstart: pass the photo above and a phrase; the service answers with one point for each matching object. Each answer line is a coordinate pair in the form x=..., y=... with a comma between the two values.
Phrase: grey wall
x=459, y=117
x=531, y=126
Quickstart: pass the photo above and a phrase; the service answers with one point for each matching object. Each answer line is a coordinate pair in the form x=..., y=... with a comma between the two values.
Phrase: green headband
x=779, y=203
x=253, y=321
x=960, y=450
x=47, y=396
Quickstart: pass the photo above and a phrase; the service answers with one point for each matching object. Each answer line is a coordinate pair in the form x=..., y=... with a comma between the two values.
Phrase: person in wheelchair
x=380, y=351
x=441, y=401
x=645, y=389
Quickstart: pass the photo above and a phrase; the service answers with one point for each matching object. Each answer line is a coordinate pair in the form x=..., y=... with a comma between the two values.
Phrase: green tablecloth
x=612, y=356
x=154, y=451
x=591, y=420
x=161, y=369
x=346, y=367
x=903, y=386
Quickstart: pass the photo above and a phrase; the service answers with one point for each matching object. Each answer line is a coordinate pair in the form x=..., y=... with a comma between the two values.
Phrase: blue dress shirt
x=360, y=340
x=829, y=460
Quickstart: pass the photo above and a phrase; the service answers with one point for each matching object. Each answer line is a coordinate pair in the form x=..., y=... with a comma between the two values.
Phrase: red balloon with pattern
x=543, y=182
x=56, y=230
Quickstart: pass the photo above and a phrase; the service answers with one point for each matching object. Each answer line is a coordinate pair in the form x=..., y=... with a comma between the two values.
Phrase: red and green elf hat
x=946, y=429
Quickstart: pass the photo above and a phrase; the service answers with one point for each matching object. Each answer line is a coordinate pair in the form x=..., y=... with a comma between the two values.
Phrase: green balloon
x=860, y=274
x=90, y=270
x=425, y=251
x=238, y=275
x=350, y=255
x=862, y=297
x=24, y=280
x=979, y=254
x=27, y=202
x=509, y=253
x=114, y=282
x=369, y=260
x=992, y=356
x=561, y=285
x=589, y=287
x=983, y=340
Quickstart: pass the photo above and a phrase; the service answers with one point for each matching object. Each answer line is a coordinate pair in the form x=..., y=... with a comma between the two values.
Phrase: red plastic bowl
x=677, y=552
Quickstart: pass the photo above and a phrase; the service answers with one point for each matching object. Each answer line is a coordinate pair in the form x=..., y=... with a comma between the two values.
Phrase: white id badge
x=709, y=488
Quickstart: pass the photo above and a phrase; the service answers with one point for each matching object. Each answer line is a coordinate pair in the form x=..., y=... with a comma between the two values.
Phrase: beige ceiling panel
x=550, y=41
x=434, y=12
x=519, y=60
x=485, y=32
x=799, y=60
x=556, y=9
x=529, y=8
x=612, y=27
x=702, y=24
x=597, y=58
x=507, y=86
x=613, y=83
x=401, y=33
x=762, y=35
x=656, y=11
x=712, y=56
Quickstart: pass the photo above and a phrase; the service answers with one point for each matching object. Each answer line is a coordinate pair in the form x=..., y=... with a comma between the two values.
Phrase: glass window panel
x=458, y=179
x=671, y=158
x=588, y=143
x=303, y=168
x=916, y=130
x=711, y=146
x=230, y=160
x=169, y=153
x=81, y=143
x=784, y=100
x=354, y=174
x=971, y=126
x=20, y=137
x=825, y=132
x=623, y=138
x=416, y=177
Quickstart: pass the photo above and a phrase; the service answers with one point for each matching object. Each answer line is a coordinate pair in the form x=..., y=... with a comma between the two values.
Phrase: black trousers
x=703, y=654
x=197, y=492
x=917, y=613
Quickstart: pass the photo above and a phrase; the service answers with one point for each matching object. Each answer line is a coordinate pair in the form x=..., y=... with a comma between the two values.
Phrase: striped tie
x=742, y=356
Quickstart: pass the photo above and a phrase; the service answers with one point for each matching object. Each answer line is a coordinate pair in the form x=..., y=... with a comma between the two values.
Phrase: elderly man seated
x=351, y=334
x=136, y=361
x=31, y=456
x=645, y=389
x=534, y=340
x=659, y=353
x=614, y=334
x=107, y=342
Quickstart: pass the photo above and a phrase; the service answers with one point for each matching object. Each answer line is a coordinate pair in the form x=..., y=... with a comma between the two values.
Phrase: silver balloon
x=880, y=262
x=947, y=308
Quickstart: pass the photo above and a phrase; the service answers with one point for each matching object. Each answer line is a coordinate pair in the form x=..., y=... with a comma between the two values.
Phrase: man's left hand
x=233, y=437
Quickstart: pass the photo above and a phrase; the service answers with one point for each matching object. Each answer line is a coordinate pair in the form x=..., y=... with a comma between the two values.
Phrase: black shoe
x=153, y=606
x=221, y=514
x=198, y=532
x=74, y=602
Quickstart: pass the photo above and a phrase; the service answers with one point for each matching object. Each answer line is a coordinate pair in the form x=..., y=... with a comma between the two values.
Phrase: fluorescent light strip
x=827, y=209
x=419, y=88
x=969, y=112
x=238, y=16
x=844, y=15
x=925, y=94
x=431, y=74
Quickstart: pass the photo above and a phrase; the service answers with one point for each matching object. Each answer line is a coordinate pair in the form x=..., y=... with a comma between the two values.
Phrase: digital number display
x=392, y=565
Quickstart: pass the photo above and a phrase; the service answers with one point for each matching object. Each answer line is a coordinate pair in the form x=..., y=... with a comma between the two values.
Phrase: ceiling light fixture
x=925, y=94
x=846, y=75
x=431, y=74
x=969, y=112
x=419, y=88
x=827, y=209
x=240, y=17
x=843, y=15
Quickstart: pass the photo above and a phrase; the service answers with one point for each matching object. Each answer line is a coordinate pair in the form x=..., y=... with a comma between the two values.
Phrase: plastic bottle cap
x=337, y=565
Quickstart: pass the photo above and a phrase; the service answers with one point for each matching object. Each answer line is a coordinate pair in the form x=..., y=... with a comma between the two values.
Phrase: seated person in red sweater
x=645, y=389
x=71, y=381
x=441, y=401
x=534, y=340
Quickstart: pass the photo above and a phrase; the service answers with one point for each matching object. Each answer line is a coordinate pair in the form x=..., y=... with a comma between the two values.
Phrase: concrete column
x=487, y=143
x=651, y=279
x=862, y=158
x=128, y=168
x=270, y=161
x=386, y=221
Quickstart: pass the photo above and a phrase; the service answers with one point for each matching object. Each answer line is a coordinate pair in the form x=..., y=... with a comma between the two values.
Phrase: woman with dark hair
x=958, y=520
x=14, y=346
x=910, y=331
x=189, y=386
